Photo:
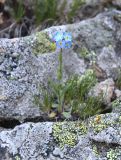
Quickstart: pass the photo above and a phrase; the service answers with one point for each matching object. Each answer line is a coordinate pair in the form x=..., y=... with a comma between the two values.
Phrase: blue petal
x=67, y=36
x=68, y=44
x=58, y=36
x=60, y=44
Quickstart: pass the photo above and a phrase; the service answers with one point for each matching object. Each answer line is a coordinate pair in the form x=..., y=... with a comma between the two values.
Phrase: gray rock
x=109, y=61
x=118, y=93
x=28, y=138
x=104, y=89
x=35, y=141
x=22, y=76
x=117, y=3
x=117, y=107
x=35, y=62
x=106, y=128
x=58, y=152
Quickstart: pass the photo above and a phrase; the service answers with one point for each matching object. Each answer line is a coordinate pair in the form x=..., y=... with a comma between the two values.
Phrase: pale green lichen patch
x=114, y=154
x=98, y=124
x=66, y=133
x=43, y=44
x=17, y=157
x=101, y=122
x=95, y=150
x=109, y=151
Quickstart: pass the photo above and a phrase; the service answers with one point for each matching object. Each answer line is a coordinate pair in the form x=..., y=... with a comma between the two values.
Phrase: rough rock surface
x=117, y=3
x=105, y=89
x=99, y=138
x=22, y=73
x=25, y=63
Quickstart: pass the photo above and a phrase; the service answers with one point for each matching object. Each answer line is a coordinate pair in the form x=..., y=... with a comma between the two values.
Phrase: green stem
x=60, y=68
x=60, y=77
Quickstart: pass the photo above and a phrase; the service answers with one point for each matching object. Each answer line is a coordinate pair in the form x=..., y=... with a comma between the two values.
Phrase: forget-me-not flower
x=68, y=44
x=60, y=44
x=58, y=36
x=63, y=40
x=67, y=36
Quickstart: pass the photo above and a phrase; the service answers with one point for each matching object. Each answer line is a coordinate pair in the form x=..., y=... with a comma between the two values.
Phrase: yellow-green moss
x=66, y=133
x=43, y=44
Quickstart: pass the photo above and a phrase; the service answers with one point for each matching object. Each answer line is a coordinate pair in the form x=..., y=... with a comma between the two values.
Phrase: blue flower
x=63, y=39
x=58, y=36
x=68, y=44
x=67, y=36
x=60, y=44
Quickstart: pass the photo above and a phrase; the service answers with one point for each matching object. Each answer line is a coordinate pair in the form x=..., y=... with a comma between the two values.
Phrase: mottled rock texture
x=105, y=89
x=93, y=139
x=26, y=63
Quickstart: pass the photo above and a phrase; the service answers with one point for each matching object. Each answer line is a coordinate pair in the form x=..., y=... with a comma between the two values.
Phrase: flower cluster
x=63, y=40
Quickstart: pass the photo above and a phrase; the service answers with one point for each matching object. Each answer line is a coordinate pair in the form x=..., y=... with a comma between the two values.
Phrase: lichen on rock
x=100, y=122
x=114, y=154
x=66, y=134
x=43, y=44
x=106, y=129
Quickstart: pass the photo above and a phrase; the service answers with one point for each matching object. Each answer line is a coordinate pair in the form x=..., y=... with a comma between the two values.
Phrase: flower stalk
x=60, y=67
x=63, y=40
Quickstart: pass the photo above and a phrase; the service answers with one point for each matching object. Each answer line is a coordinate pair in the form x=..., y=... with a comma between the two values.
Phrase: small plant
x=74, y=7
x=70, y=98
x=63, y=40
